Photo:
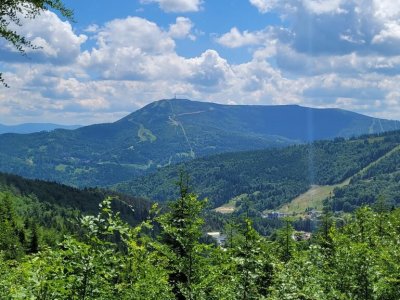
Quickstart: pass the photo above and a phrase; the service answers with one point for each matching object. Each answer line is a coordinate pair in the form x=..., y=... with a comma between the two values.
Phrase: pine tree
x=285, y=241
x=253, y=265
x=9, y=231
x=181, y=231
x=34, y=240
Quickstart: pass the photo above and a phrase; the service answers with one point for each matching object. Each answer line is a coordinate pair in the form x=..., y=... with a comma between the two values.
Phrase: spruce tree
x=181, y=231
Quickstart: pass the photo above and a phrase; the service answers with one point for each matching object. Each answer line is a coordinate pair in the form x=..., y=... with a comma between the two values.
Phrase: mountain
x=171, y=131
x=270, y=178
x=34, y=127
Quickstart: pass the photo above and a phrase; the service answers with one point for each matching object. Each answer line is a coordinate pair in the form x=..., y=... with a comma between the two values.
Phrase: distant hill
x=171, y=131
x=272, y=177
x=34, y=127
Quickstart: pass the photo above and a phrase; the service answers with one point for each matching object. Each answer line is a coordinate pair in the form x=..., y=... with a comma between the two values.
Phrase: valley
x=220, y=194
x=292, y=175
x=231, y=150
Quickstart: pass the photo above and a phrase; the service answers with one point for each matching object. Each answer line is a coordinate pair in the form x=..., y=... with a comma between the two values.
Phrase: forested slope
x=382, y=180
x=84, y=200
x=107, y=259
x=270, y=177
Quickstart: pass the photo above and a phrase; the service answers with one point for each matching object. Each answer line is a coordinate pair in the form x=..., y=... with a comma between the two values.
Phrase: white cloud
x=182, y=29
x=323, y=6
x=264, y=6
x=177, y=6
x=92, y=28
x=94, y=103
x=134, y=61
x=59, y=44
x=209, y=71
x=136, y=33
x=339, y=26
x=390, y=32
x=132, y=48
x=234, y=38
x=386, y=9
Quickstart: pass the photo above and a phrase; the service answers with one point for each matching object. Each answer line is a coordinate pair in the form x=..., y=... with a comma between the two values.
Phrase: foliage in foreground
x=110, y=259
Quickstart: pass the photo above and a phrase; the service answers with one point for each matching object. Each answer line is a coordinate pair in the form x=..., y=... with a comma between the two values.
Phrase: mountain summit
x=169, y=131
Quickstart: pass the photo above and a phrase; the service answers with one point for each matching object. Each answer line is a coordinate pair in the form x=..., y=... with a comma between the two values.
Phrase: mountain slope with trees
x=380, y=181
x=85, y=201
x=171, y=131
x=269, y=178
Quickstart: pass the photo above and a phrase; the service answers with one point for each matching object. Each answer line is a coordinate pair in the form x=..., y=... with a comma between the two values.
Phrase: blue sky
x=117, y=58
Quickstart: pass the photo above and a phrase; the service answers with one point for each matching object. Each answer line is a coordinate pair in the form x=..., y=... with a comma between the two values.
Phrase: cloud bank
x=324, y=54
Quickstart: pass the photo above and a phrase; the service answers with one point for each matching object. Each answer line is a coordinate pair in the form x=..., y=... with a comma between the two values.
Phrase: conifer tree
x=252, y=260
x=9, y=231
x=34, y=240
x=285, y=241
x=181, y=231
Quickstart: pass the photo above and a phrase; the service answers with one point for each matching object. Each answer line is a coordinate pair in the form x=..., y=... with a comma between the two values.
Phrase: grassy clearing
x=145, y=134
x=315, y=196
x=313, y=199
x=226, y=208
x=60, y=167
x=133, y=166
x=230, y=207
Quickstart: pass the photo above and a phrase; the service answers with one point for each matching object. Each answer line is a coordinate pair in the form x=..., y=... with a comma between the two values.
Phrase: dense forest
x=380, y=180
x=166, y=257
x=268, y=178
x=51, y=196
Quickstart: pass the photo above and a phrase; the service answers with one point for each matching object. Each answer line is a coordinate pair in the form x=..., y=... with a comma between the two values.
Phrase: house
x=218, y=236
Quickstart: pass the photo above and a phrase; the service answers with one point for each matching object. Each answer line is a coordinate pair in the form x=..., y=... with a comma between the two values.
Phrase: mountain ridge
x=25, y=128
x=171, y=131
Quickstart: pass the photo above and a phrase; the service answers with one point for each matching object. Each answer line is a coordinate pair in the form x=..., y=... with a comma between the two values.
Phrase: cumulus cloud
x=92, y=28
x=323, y=7
x=390, y=32
x=132, y=48
x=56, y=40
x=339, y=26
x=331, y=54
x=264, y=6
x=182, y=29
x=177, y=6
x=209, y=71
x=234, y=38
x=36, y=96
x=137, y=33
